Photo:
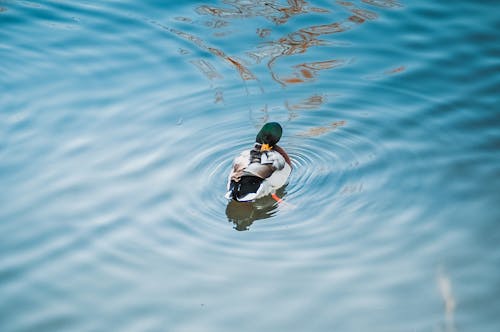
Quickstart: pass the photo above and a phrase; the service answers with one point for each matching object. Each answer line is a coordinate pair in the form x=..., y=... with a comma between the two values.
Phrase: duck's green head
x=269, y=135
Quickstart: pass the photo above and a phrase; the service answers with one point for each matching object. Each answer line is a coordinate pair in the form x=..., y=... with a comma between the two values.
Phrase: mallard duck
x=261, y=170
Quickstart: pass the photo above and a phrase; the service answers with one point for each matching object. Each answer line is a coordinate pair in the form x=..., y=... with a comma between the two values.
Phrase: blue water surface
x=119, y=121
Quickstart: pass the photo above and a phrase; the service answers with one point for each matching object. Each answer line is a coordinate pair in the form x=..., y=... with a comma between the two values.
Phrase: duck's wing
x=262, y=171
x=240, y=163
x=269, y=162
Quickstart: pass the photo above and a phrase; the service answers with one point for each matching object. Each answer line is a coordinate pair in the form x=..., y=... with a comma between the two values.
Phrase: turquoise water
x=119, y=121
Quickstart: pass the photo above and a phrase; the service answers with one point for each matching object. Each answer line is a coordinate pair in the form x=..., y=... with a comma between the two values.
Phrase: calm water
x=119, y=121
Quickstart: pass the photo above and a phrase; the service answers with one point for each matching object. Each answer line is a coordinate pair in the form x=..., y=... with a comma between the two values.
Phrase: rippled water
x=119, y=122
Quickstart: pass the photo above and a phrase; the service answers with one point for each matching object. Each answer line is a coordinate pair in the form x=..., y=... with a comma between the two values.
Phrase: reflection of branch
x=313, y=102
x=206, y=69
x=294, y=43
x=244, y=72
x=309, y=71
x=383, y=3
x=273, y=74
x=444, y=285
x=269, y=9
x=317, y=131
x=300, y=41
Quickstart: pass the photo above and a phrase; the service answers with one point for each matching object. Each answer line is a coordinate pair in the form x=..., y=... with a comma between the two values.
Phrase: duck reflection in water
x=243, y=214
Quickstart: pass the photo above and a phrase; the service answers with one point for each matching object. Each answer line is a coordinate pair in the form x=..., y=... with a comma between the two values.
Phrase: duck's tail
x=245, y=189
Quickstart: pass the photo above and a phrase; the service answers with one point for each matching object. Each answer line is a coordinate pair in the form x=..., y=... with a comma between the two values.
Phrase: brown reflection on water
x=388, y=72
x=395, y=70
x=362, y=14
x=206, y=69
x=217, y=24
x=313, y=102
x=183, y=19
x=270, y=51
x=305, y=38
x=263, y=33
x=309, y=71
x=269, y=9
x=244, y=72
x=209, y=71
x=383, y=3
x=290, y=44
x=365, y=14
x=317, y=131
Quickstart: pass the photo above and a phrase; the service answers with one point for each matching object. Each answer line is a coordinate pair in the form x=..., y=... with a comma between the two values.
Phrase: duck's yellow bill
x=265, y=147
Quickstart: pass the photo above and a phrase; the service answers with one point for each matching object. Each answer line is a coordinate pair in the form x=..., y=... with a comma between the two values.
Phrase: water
x=119, y=121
